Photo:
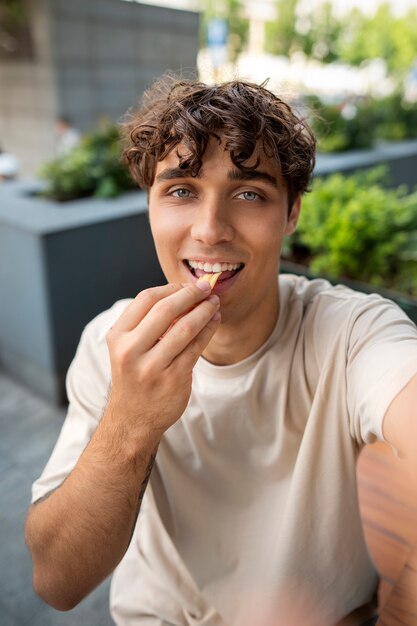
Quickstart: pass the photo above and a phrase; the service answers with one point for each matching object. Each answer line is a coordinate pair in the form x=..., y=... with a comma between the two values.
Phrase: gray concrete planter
x=60, y=265
x=407, y=304
x=400, y=157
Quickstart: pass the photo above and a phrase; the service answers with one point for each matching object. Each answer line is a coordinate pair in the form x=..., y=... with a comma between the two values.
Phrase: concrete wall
x=92, y=58
x=28, y=103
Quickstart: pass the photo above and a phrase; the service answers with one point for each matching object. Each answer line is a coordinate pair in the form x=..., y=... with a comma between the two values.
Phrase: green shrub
x=372, y=120
x=395, y=118
x=336, y=133
x=92, y=168
x=353, y=227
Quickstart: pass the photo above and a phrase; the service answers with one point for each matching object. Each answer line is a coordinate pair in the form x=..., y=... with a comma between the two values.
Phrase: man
x=240, y=411
x=68, y=136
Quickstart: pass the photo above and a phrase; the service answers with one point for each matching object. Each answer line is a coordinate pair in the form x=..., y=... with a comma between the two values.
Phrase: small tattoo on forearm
x=146, y=477
x=143, y=489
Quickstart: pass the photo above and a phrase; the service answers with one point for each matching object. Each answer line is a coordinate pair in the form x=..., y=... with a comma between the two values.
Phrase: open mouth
x=228, y=270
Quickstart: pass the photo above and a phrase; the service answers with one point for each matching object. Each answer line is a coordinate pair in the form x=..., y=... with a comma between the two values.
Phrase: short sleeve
x=381, y=360
x=88, y=385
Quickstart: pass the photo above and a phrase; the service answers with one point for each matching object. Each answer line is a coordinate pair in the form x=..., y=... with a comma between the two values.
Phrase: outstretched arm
x=400, y=430
x=80, y=532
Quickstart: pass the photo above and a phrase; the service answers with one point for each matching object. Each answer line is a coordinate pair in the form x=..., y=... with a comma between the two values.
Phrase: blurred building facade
x=87, y=59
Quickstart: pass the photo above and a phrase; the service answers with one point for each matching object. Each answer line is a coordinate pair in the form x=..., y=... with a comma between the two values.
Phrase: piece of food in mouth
x=210, y=278
x=199, y=269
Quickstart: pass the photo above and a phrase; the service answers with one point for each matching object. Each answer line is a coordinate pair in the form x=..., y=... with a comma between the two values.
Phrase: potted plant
x=362, y=122
x=69, y=248
x=353, y=230
x=92, y=169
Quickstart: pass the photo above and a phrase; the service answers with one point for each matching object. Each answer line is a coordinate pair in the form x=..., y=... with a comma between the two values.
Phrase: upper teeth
x=215, y=267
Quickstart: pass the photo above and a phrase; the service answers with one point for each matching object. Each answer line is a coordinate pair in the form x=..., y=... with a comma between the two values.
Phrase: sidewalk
x=29, y=427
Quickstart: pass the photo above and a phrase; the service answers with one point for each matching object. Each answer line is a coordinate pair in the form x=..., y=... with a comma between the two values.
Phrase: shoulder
x=334, y=315
x=321, y=300
x=319, y=297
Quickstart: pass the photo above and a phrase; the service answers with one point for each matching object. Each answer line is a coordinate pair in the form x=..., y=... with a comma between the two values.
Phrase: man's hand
x=80, y=532
x=153, y=348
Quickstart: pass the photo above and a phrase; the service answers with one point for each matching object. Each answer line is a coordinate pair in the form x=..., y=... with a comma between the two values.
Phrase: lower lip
x=222, y=285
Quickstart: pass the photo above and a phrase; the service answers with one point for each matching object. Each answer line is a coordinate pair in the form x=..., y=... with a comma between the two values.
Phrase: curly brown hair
x=240, y=114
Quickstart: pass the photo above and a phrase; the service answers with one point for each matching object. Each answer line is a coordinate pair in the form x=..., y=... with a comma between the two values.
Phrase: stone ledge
x=392, y=153
x=21, y=208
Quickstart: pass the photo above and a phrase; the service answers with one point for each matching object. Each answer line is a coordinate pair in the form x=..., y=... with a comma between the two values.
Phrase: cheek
x=266, y=236
x=167, y=233
x=166, y=221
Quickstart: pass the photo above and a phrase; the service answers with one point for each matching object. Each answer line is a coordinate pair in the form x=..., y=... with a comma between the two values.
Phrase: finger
x=185, y=331
x=141, y=305
x=165, y=312
x=189, y=357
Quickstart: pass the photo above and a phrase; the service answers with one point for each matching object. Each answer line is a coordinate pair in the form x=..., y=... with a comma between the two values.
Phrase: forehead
x=216, y=155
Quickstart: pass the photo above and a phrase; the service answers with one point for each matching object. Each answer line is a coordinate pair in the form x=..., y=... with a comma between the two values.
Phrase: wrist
x=127, y=440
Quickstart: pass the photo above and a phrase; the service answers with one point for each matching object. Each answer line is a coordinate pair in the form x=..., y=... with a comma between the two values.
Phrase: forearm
x=400, y=430
x=401, y=607
x=79, y=534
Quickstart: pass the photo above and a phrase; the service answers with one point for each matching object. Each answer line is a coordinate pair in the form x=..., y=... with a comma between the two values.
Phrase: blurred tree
x=323, y=37
x=238, y=23
x=353, y=38
x=315, y=33
x=382, y=35
x=362, y=122
x=12, y=12
x=281, y=35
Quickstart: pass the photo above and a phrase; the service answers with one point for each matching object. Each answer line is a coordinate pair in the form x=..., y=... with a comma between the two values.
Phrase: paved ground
x=28, y=429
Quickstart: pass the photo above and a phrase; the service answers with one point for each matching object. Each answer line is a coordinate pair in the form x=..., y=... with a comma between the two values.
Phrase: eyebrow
x=235, y=174
x=253, y=175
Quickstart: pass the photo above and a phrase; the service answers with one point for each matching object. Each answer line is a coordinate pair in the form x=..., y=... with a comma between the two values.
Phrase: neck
x=235, y=340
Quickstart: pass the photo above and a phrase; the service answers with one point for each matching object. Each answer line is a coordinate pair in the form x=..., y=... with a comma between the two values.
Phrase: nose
x=211, y=224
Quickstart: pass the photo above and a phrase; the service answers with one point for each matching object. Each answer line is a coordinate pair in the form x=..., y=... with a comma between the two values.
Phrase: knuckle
x=149, y=372
x=164, y=307
x=122, y=355
x=148, y=365
x=147, y=296
x=174, y=287
x=185, y=327
x=193, y=291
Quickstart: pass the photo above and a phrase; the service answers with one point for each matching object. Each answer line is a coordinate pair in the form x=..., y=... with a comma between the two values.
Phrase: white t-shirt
x=253, y=492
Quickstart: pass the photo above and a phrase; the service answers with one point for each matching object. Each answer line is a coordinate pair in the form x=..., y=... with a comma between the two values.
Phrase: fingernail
x=203, y=285
x=216, y=316
x=214, y=299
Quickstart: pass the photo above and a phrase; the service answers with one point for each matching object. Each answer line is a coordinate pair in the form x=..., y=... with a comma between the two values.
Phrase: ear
x=293, y=216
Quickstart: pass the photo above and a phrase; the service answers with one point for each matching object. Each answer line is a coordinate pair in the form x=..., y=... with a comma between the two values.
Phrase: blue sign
x=217, y=32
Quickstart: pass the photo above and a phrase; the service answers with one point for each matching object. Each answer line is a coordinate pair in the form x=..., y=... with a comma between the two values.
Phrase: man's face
x=223, y=219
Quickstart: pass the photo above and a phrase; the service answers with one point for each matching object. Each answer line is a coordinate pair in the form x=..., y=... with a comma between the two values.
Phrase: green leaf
x=92, y=168
x=353, y=227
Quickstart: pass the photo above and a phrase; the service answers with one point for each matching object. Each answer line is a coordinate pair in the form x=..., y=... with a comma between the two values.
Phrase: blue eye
x=250, y=196
x=181, y=193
